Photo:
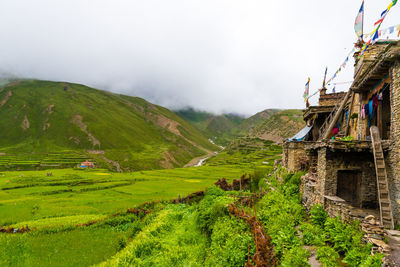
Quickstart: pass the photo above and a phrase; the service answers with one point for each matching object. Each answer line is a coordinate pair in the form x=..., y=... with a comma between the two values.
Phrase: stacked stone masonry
x=345, y=177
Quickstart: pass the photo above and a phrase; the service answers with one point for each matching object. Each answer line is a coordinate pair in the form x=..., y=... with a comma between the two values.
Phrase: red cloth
x=375, y=103
x=335, y=131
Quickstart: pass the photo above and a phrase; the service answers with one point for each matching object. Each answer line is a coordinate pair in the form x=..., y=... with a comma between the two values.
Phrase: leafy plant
x=328, y=256
x=313, y=235
x=318, y=215
x=296, y=256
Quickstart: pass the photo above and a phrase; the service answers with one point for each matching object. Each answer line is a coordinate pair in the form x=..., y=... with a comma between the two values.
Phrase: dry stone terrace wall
x=294, y=156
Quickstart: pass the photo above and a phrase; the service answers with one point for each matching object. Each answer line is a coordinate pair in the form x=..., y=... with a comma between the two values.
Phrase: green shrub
x=341, y=235
x=318, y=215
x=312, y=235
x=231, y=241
x=357, y=255
x=373, y=261
x=122, y=241
x=280, y=216
x=213, y=206
x=328, y=256
x=296, y=256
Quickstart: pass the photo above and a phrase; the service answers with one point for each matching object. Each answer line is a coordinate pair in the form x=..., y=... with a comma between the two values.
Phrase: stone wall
x=393, y=157
x=310, y=196
x=294, y=156
x=330, y=163
x=353, y=161
x=369, y=57
x=330, y=99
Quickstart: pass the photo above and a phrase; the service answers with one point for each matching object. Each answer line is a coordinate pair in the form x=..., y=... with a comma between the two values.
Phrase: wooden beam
x=337, y=115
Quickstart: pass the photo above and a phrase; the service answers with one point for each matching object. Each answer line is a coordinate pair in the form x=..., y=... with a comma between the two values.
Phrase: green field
x=57, y=207
x=96, y=217
x=32, y=195
x=42, y=161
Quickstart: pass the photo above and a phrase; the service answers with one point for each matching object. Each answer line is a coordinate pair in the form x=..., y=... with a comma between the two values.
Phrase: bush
x=312, y=235
x=343, y=236
x=213, y=206
x=328, y=256
x=318, y=215
x=280, y=216
x=296, y=256
x=122, y=242
x=373, y=261
x=357, y=255
x=230, y=243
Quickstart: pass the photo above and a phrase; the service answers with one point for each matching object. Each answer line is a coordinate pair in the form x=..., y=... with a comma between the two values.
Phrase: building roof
x=375, y=64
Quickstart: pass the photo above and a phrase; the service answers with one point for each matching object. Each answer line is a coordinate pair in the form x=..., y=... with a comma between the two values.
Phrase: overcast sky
x=215, y=55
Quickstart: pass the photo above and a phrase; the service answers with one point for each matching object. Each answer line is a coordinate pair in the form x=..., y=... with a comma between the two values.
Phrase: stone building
x=352, y=142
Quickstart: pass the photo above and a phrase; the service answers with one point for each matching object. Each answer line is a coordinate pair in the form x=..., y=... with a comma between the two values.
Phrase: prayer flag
x=375, y=38
x=306, y=90
x=358, y=25
x=334, y=90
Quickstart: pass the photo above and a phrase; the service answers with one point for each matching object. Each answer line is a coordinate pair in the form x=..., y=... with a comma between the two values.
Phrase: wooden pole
x=337, y=115
x=348, y=119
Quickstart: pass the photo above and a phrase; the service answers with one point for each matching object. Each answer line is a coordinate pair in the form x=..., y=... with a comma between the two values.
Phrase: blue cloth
x=371, y=108
x=370, y=112
x=301, y=135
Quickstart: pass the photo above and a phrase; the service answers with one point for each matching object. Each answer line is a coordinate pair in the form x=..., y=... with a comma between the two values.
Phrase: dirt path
x=394, y=243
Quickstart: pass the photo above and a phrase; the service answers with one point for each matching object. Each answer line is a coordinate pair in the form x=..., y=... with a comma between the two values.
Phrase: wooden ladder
x=382, y=181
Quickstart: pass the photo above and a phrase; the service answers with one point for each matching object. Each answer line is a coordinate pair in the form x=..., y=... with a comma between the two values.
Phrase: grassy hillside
x=43, y=116
x=226, y=127
x=254, y=121
x=269, y=124
x=213, y=126
x=279, y=126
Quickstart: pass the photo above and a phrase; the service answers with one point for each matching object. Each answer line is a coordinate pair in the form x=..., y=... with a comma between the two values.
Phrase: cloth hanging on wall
x=366, y=109
x=375, y=103
x=370, y=112
x=363, y=111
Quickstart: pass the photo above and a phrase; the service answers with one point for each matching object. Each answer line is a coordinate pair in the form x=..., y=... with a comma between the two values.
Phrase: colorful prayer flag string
x=344, y=64
x=375, y=33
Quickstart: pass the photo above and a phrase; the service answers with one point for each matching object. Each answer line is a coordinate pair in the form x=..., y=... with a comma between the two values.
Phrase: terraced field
x=88, y=208
x=32, y=195
x=41, y=160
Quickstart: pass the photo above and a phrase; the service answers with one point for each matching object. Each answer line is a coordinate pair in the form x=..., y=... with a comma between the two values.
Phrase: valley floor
x=94, y=217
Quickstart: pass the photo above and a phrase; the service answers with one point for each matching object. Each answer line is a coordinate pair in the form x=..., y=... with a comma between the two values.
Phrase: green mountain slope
x=279, y=126
x=216, y=127
x=43, y=116
x=254, y=121
x=226, y=127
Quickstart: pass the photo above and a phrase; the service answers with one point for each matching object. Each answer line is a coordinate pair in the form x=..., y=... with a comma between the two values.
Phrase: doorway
x=349, y=186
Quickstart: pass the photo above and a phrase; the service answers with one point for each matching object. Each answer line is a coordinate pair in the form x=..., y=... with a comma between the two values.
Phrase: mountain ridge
x=43, y=116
